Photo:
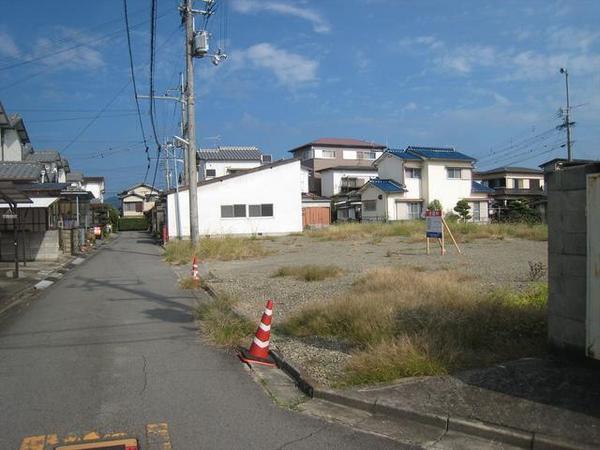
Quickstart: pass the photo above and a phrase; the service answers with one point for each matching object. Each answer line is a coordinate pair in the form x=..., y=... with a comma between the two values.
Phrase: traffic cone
x=259, y=349
x=195, y=275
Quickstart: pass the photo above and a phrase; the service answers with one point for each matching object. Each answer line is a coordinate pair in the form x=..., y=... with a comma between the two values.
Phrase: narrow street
x=113, y=348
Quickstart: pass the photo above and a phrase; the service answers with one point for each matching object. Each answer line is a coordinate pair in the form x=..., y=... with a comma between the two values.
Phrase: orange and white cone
x=195, y=275
x=259, y=349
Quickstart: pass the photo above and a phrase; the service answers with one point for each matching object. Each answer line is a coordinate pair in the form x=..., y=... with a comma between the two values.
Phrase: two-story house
x=408, y=180
x=56, y=167
x=14, y=140
x=326, y=153
x=513, y=183
x=221, y=161
x=138, y=199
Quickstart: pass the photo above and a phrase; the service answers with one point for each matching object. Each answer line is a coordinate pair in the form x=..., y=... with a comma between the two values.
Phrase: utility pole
x=568, y=122
x=192, y=170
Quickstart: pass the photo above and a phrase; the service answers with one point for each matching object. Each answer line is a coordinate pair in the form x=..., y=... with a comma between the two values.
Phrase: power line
x=135, y=91
x=67, y=119
x=152, y=101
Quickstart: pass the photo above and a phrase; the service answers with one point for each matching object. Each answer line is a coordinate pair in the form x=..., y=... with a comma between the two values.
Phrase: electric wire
x=152, y=100
x=135, y=91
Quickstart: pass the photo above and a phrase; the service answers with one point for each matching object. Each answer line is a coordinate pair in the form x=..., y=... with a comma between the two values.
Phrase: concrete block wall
x=35, y=245
x=567, y=258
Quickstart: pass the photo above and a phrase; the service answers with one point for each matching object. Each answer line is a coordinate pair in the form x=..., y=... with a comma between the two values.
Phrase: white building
x=136, y=200
x=264, y=200
x=14, y=140
x=213, y=163
x=342, y=179
x=96, y=186
x=408, y=180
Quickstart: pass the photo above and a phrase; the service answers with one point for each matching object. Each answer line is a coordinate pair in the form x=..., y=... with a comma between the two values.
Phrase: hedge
x=133, y=224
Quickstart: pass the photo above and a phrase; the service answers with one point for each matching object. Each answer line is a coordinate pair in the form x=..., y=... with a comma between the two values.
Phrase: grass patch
x=308, y=272
x=223, y=248
x=221, y=324
x=415, y=231
x=190, y=283
x=404, y=322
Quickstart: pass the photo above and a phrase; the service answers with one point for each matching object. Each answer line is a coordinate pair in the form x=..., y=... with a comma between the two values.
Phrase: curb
x=486, y=430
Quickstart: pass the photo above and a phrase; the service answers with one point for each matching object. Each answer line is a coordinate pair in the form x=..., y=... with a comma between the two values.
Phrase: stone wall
x=35, y=245
x=567, y=257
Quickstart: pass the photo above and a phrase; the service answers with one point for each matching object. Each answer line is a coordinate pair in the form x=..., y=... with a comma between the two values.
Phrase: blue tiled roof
x=438, y=153
x=480, y=188
x=387, y=185
x=403, y=154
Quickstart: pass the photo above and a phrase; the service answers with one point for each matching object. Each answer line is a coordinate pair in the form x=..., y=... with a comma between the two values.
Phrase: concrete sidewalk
x=529, y=403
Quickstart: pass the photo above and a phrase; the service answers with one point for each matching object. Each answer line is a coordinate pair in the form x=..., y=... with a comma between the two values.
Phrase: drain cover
x=122, y=444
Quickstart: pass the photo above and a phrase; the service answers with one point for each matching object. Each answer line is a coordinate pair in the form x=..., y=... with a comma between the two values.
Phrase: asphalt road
x=112, y=347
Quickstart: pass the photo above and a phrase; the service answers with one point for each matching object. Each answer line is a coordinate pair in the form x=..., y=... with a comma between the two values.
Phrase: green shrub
x=133, y=224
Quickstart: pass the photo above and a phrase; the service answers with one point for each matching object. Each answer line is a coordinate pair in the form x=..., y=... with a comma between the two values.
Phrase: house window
x=328, y=154
x=516, y=184
x=414, y=210
x=411, y=172
x=133, y=207
x=263, y=210
x=233, y=211
x=366, y=155
x=369, y=205
x=534, y=184
x=266, y=159
x=454, y=172
x=211, y=172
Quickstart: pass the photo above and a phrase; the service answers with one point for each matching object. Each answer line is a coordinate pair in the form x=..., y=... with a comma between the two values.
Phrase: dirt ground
x=492, y=263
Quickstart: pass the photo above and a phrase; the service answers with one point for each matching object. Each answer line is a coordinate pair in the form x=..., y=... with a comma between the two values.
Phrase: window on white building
x=366, y=155
x=133, y=207
x=369, y=205
x=414, y=210
x=211, y=172
x=454, y=172
x=411, y=172
x=476, y=212
x=328, y=154
x=263, y=210
x=233, y=210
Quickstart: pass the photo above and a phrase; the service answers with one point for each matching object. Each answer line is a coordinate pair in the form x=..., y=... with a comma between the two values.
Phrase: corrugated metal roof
x=18, y=170
x=512, y=170
x=341, y=142
x=387, y=185
x=44, y=156
x=230, y=154
x=480, y=188
x=438, y=153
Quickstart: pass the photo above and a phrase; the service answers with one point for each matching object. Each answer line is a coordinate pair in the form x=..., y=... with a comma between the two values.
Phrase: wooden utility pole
x=192, y=169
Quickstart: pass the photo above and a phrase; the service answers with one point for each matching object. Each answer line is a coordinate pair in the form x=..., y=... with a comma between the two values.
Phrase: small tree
x=462, y=208
x=434, y=205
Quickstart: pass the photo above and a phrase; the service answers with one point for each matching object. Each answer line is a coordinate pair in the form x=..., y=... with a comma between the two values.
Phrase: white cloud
x=8, y=46
x=319, y=24
x=430, y=42
x=463, y=59
x=291, y=69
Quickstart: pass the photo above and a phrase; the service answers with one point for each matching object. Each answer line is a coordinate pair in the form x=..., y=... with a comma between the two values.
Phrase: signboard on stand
x=435, y=226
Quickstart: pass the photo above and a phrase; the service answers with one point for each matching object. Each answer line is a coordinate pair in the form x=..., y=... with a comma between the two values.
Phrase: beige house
x=138, y=199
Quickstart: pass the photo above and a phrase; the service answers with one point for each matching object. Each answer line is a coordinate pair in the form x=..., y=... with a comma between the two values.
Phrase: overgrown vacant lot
x=374, y=274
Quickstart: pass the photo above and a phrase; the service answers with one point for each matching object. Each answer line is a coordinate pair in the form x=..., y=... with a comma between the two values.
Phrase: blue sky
x=480, y=76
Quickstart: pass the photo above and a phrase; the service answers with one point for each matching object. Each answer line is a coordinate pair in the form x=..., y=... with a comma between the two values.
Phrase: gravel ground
x=493, y=263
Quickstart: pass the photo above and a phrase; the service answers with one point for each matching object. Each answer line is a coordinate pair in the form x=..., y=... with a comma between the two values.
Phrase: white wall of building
x=304, y=176
x=331, y=180
x=447, y=190
x=372, y=193
x=11, y=146
x=391, y=168
x=276, y=185
x=96, y=188
x=222, y=168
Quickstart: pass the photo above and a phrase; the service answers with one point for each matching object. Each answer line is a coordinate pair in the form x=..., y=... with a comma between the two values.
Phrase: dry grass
x=221, y=325
x=223, y=248
x=190, y=283
x=309, y=272
x=415, y=231
x=404, y=322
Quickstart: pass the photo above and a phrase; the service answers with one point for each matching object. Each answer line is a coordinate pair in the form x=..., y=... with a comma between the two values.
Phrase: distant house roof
x=511, y=170
x=15, y=122
x=74, y=176
x=350, y=169
x=556, y=161
x=341, y=142
x=44, y=156
x=386, y=185
x=100, y=179
x=44, y=187
x=19, y=170
x=230, y=154
x=480, y=188
x=430, y=153
x=127, y=191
